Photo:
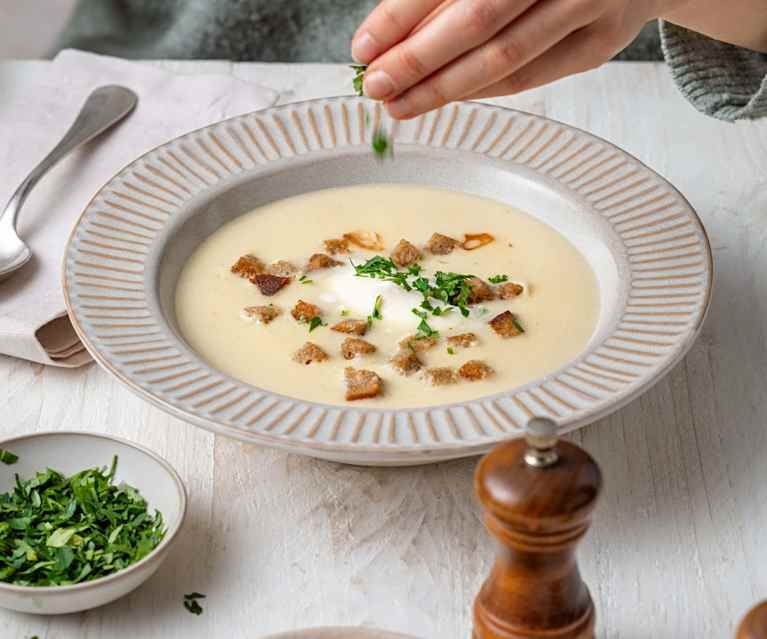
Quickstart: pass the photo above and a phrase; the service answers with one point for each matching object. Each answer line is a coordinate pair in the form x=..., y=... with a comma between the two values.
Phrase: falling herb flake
x=450, y=350
x=315, y=322
x=7, y=457
x=57, y=530
x=305, y=280
x=498, y=279
x=382, y=145
x=376, y=314
x=359, y=77
x=191, y=604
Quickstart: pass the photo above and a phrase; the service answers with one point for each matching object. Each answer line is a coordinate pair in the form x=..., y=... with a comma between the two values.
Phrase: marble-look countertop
x=278, y=542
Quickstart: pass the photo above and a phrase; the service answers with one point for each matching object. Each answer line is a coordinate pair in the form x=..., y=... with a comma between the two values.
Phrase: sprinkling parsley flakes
x=191, y=604
x=498, y=279
x=450, y=350
x=57, y=530
x=315, y=322
x=7, y=457
x=305, y=280
x=359, y=77
x=376, y=314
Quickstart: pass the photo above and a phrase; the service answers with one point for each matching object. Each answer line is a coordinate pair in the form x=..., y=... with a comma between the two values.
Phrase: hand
x=426, y=53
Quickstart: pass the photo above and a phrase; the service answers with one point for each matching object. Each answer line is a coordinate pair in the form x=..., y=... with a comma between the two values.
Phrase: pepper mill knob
x=754, y=624
x=538, y=494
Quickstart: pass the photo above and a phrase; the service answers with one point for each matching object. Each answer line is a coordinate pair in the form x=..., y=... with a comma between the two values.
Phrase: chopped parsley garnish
x=382, y=145
x=57, y=530
x=7, y=457
x=344, y=312
x=190, y=602
x=517, y=325
x=359, y=77
x=376, y=314
x=450, y=350
x=441, y=293
x=498, y=279
x=305, y=280
x=315, y=322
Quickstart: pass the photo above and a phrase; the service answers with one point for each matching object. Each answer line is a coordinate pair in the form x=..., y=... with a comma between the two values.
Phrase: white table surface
x=678, y=548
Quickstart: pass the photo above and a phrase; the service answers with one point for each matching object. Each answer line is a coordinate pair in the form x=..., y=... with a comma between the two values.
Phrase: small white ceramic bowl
x=71, y=452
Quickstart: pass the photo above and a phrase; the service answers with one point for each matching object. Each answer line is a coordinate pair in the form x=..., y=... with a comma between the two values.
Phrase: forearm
x=739, y=22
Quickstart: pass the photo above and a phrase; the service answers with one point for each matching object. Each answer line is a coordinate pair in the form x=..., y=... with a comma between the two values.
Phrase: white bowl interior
x=589, y=233
x=69, y=453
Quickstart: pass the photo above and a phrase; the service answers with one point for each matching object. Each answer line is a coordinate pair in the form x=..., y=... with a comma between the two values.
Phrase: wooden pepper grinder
x=754, y=624
x=538, y=494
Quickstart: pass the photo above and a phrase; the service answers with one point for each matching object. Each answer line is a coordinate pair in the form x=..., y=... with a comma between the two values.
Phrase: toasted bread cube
x=406, y=362
x=335, y=247
x=405, y=254
x=319, y=261
x=510, y=290
x=354, y=346
x=351, y=327
x=305, y=312
x=440, y=376
x=506, y=325
x=475, y=370
x=439, y=244
x=481, y=291
x=263, y=314
x=248, y=266
x=418, y=344
x=464, y=340
x=362, y=384
x=270, y=284
x=309, y=353
x=283, y=268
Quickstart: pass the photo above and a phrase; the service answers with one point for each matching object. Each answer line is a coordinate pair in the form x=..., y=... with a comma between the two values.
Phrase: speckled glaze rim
x=107, y=282
x=156, y=555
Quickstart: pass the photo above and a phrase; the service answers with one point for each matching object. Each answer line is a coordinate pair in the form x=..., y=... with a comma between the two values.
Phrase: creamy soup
x=543, y=290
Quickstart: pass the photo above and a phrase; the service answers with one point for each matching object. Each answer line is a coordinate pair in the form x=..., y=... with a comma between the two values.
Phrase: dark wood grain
x=538, y=514
x=754, y=624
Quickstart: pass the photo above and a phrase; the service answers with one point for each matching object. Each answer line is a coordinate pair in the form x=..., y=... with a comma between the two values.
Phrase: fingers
x=526, y=38
x=443, y=37
x=388, y=24
x=575, y=54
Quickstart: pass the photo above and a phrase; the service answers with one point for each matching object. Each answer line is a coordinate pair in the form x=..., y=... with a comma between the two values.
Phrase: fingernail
x=378, y=85
x=364, y=48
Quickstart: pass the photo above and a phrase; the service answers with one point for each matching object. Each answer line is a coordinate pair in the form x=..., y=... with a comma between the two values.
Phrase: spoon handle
x=103, y=108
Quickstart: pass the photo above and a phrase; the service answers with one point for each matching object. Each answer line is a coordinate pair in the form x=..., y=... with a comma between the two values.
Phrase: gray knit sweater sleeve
x=719, y=79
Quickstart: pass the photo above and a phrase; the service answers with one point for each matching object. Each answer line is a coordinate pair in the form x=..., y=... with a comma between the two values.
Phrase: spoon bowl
x=104, y=107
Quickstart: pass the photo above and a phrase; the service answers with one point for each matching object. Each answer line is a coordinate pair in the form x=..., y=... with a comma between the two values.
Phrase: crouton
x=262, y=314
x=464, y=340
x=506, y=325
x=283, y=268
x=270, y=284
x=354, y=346
x=475, y=370
x=351, y=327
x=362, y=384
x=439, y=244
x=320, y=260
x=334, y=247
x=248, y=266
x=406, y=362
x=440, y=376
x=481, y=291
x=369, y=240
x=510, y=290
x=305, y=312
x=405, y=254
x=309, y=353
x=418, y=344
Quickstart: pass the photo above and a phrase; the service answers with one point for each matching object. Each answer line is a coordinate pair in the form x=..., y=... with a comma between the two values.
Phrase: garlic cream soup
x=557, y=308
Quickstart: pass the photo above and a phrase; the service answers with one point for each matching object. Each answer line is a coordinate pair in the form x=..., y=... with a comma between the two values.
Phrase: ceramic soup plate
x=642, y=239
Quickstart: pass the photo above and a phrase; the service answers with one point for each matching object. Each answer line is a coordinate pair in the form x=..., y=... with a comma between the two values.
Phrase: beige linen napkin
x=35, y=111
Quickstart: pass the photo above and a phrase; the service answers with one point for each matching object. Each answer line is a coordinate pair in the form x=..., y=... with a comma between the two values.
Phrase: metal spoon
x=103, y=108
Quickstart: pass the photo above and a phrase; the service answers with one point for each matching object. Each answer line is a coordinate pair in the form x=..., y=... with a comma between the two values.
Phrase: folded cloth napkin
x=35, y=111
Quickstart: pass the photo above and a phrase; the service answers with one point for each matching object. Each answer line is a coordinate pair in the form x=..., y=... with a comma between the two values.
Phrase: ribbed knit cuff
x=719, y=79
